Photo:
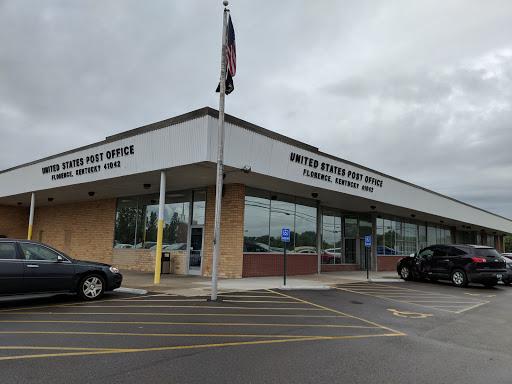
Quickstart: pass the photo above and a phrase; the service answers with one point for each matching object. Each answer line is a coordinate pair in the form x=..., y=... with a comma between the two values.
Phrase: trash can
x=166, y=262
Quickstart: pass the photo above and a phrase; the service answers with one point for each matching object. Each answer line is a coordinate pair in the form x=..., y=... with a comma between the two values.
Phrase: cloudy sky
x=420, y=90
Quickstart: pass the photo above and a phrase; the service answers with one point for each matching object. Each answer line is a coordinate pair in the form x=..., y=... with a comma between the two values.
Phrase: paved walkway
x=201, y=285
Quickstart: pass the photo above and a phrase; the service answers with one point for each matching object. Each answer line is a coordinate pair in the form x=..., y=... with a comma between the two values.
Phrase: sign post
x=367, y=244
x=285, y=237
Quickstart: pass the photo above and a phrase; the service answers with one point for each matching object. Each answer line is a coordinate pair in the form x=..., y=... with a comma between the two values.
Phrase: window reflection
x=137, y=220
x=267, y=213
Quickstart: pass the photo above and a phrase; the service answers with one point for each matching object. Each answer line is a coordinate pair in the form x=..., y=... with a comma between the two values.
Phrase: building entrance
x=195, y=251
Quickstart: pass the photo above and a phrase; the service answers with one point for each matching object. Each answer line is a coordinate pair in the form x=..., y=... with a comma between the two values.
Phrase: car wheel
x=91, y=287
x=406, y=273
x=459, y=278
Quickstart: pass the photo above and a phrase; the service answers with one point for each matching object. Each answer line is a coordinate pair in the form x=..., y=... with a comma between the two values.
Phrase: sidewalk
x=184, y=285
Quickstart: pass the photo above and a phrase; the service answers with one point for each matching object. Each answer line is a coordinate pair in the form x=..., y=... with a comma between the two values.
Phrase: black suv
x=28, y=267
x=462, y=264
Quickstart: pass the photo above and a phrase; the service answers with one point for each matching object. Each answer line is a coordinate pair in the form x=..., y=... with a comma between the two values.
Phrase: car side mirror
x=59, y=258
x=412, y=255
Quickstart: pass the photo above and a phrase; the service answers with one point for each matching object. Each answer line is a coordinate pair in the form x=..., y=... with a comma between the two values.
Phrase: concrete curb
x=305, y=287
x=386, y=281
x=131, y=290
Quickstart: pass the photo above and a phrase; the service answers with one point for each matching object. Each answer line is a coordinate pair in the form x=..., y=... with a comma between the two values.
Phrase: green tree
x=508, y=243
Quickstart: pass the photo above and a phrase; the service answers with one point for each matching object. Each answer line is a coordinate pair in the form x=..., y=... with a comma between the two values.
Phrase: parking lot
x=131, y=335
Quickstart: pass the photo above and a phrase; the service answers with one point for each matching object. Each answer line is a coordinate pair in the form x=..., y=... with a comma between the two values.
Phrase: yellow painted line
x=199, y=307
x=259, y=301
x=152, y=335
x=58, y=348
x=445, y=302
x=178, y=323
x=112, y=351
x=413, y=303
x=246, y=296
x=166, y=314
x=345, y=314
x=475, y=306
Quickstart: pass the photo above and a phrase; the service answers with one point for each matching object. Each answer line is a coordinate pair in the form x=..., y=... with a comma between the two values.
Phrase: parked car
x=462, y=264
x=507, y=277
x=28, y=267
x=331, y=256
x=172, y=247
x=383, y=250
x=507, y=255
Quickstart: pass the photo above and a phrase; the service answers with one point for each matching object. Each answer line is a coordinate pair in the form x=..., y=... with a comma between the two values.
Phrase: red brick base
x=271, y=264
x=388, y=263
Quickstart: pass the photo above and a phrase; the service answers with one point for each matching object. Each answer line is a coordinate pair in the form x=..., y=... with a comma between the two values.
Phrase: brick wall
x=272, y=264
x=83, y=230
x=14, y=221
x=231, y=231
x=388, y=262
x=144, y=260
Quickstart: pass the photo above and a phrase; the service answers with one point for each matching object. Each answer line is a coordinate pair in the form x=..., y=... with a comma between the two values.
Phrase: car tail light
x=479, y=259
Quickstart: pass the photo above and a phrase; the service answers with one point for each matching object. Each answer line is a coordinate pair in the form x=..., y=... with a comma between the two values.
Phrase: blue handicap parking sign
x=367, y=241
x=285, y=235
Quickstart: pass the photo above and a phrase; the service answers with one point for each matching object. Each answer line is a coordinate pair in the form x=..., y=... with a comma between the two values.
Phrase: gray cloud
x=417, y=90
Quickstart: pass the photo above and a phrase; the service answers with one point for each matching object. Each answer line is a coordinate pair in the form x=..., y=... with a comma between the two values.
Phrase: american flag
x=230, y=59
x=231, y=49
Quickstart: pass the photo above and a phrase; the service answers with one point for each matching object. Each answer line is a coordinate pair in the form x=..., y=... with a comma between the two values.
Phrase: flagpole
x=220, y=157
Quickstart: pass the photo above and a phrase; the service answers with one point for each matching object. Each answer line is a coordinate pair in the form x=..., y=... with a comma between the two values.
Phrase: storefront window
x=305, y=226
x=267, y=213
x=282, y=215
x=199, y=208
x=256, y=221
x=331, y=237
x=137, y=220
x=126, y=222
x=397, y=236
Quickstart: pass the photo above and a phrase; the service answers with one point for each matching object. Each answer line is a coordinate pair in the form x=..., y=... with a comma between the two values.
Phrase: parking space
x=165, y=322
x=460, y=301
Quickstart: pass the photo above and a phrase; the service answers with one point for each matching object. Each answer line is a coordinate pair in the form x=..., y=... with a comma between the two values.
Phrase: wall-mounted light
x=373, y=207
x=314, y=195
x=147, y=186
x=246, y=169
x=50, y=199
x=482, y=230
x=413, y=215
x=441, y=221
x=91, y=193
x=20, y=203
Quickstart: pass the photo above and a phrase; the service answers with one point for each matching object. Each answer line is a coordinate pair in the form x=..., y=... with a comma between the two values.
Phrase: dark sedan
x=28, y=267
x=462, y=264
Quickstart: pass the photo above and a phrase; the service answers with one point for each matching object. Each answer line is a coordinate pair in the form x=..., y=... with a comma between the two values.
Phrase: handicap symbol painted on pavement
x=411, y=315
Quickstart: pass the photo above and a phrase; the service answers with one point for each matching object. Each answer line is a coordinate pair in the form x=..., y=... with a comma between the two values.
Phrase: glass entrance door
x=350, y=251
x=195, y=253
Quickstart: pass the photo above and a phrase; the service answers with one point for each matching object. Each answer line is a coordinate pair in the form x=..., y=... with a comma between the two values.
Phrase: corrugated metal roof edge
x=208, y=111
